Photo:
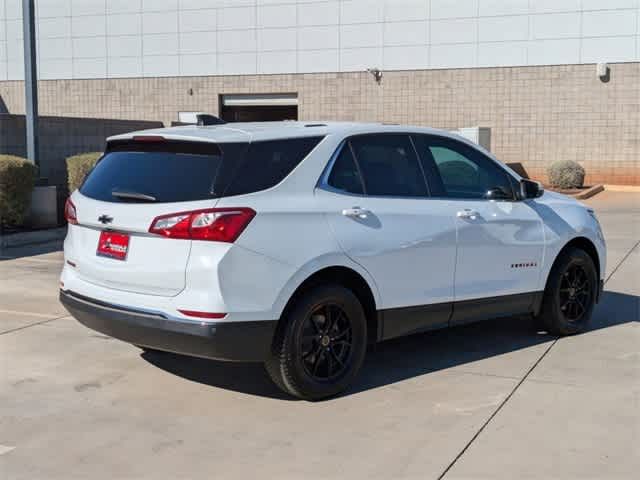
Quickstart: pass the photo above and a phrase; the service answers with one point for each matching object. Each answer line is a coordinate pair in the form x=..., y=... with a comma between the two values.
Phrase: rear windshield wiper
x=133, y=196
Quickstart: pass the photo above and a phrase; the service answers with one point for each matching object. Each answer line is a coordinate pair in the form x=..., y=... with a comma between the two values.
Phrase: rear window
x=167, y=172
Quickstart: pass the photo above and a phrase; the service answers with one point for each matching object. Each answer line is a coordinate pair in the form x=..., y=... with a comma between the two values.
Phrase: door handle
x=356, y=212
x=468, y=213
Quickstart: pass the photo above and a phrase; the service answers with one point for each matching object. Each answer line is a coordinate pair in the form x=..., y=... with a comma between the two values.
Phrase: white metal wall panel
x=132, y=38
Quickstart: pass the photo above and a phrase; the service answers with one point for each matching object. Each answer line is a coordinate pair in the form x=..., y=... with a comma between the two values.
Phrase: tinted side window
x=459, y=171
x=344, y=174
x=389, y=166
x=266, y=164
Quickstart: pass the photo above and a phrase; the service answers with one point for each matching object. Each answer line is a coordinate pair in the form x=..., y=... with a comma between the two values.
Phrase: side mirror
x=530, y=189
x=498, y=193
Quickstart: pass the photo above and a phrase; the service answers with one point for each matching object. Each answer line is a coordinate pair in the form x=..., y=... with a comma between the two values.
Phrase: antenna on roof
x=205, y=119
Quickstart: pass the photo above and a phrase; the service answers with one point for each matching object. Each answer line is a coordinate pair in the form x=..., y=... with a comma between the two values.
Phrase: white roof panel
x=251, y=132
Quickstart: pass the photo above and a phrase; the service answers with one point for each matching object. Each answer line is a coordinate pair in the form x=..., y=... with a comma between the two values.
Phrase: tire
x=570, y=294
x=320, y=344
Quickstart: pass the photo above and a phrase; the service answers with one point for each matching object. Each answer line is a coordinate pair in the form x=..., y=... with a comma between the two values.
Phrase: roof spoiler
x=205, y=119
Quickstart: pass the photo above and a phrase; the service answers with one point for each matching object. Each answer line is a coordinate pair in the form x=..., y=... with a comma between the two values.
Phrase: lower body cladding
x=251, y=341
x=239, y=341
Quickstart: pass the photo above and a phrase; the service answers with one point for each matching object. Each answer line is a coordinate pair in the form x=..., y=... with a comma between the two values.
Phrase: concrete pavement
x=492, y=400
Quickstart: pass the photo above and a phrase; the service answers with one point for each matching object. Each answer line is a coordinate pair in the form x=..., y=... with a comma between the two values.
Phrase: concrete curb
x=33, y=238
x=583, y=195
x=590, y=192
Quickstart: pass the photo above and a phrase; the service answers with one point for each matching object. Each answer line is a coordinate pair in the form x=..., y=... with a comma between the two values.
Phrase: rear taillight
x=70, y=214
x=215, y=225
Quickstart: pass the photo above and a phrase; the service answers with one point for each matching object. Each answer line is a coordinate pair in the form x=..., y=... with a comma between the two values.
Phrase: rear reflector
x=214, y=225
x=191, y=313
x=70, y=213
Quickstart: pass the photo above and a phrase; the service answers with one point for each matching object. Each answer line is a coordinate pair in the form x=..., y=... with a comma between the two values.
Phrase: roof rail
x=205, y=119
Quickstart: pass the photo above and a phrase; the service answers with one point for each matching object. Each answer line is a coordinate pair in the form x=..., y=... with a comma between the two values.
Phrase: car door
x=377, y=205
x=500, y=240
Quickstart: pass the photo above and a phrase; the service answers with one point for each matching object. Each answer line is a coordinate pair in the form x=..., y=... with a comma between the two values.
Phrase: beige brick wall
x=61, y=137
x=536, y=114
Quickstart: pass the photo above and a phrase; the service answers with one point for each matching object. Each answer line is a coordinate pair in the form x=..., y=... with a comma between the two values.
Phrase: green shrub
x=78, y=167
x=566, y=174
x=17, y=178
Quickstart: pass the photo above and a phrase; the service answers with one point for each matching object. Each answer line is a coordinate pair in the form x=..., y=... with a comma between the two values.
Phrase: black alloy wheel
x=570, y=294
x=326, y=342
x=575, y=293
x=320, y=343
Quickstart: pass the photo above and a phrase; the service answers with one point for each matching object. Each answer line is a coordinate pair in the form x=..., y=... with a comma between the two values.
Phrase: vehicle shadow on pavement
x=407, y=357
x=12, y=253
x=249, y=378
x=421, y=354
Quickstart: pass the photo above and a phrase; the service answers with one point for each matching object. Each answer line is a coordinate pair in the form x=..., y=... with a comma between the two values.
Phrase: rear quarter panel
x=286, y=243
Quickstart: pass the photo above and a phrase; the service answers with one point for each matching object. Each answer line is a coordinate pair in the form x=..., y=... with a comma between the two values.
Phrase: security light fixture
x=377, y=74
x=603, y=71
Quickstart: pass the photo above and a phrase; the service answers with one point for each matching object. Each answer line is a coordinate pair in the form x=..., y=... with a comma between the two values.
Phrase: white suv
x=298, y=245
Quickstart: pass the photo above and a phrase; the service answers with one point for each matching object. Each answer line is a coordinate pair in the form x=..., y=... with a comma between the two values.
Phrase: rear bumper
x=231, y=341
